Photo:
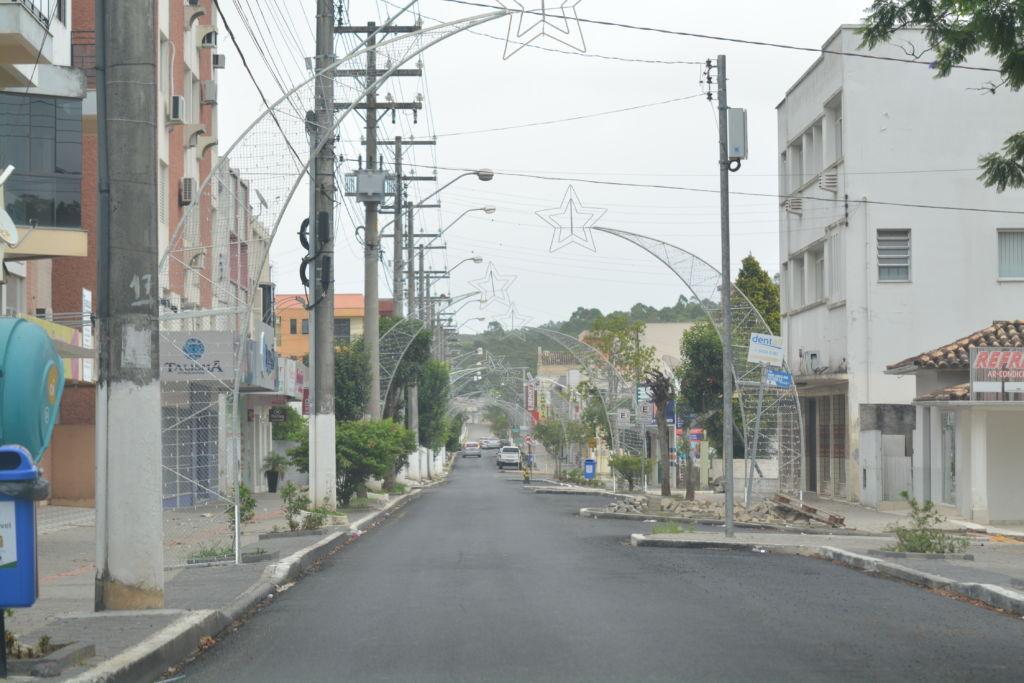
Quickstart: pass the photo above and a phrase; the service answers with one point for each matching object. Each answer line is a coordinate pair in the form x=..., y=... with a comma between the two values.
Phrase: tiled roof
x=957, y=356
x=960, y=392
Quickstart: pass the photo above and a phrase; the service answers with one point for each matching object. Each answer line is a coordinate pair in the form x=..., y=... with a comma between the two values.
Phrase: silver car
x=471, y=449
x=490, y=443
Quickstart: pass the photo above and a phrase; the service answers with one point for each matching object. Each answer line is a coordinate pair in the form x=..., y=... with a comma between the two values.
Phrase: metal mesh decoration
x=572, y=222
x=781, y=437
x=216, y=256
x=515, y=323
x=556, y=20
x=493, y=287
x=393, y=345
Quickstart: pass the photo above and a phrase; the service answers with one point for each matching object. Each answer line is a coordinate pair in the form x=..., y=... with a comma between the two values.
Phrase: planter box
x=322, y=531
x=51, y=666
x=921, y=556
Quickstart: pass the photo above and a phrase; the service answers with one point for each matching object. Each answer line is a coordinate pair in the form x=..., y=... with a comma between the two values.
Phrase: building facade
x=866, y=275
x=293, y=321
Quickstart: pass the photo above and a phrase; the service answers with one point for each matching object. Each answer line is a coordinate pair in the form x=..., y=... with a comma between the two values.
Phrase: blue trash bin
x=19, y=489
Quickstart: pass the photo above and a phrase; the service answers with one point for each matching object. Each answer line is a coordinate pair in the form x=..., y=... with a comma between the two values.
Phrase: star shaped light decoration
x=572, y=222
x=493, y=287
x=517, y=323
x=554, y=19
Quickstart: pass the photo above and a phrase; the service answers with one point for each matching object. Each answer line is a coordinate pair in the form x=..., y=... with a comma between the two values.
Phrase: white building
x=865, y=276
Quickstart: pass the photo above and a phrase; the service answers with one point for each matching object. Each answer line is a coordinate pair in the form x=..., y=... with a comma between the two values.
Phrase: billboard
x=997, y=374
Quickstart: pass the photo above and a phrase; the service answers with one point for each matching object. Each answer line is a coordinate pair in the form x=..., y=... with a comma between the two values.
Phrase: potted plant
x=274, y=467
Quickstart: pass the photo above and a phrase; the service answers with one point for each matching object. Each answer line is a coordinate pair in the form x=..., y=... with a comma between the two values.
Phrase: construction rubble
x=763, y=512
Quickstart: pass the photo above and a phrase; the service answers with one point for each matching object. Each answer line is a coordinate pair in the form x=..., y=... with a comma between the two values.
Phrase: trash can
x=20, y=488
x=31, y=385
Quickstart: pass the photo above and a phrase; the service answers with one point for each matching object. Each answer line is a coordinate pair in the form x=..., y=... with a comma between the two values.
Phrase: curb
x=178, y=640
x=1009, y=601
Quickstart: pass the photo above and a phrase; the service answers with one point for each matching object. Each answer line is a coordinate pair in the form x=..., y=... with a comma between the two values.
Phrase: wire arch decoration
x=393, y=345
x=780, y=422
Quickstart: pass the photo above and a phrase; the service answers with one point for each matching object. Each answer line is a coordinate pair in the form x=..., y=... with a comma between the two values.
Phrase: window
x=796, y=165
x=1011, y=253
x=894, y=256
x=836, y=267
x=305, y=326
x=818, y=271
x=293, y=326
x=797, y=290
x=784, y=183
x=42, y=138
x=784, y=287
x=343, y=329
x=834, y=130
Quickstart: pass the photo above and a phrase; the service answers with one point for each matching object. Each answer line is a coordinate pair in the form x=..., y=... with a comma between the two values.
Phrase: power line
x=570, y=118
x=727, y=39
x=777, y=197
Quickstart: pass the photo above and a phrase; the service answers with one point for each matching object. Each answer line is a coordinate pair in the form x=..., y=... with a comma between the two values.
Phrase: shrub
x=294, y=502
x=317, y=517
x=629, y=467
x=246, y=507
x=923, y=535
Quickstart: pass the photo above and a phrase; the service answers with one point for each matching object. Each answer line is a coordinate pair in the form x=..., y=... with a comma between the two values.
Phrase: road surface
x=479, y=580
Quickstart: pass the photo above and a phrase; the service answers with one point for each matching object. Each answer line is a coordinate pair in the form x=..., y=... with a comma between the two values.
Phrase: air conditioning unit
x=829, y=182
x=193, y=3
x=177, y=109
x=209, y=40
x=219, y=61
x=795, y=205
x=209, y=89
x=186, y=191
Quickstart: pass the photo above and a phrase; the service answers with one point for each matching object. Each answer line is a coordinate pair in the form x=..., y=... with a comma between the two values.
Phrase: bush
x=923, y=536
x=246, y=507
x=629, y=467
x=294, y=502
x=317, y=517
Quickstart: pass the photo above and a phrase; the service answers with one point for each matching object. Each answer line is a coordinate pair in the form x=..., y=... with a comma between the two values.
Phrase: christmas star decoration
x=493, y=287
x=556, y=20
x=517, y=323
x=572, y=222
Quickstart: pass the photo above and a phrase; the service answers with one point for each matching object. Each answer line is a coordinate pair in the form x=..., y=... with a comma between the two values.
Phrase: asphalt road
x=480, y=581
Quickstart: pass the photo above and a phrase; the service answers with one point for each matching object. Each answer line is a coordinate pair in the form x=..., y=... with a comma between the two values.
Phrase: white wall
x=1005, y=466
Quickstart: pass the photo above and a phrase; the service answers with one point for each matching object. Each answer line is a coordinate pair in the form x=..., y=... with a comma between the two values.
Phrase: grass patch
x=397, y=489
x=671, y=528
x=358, y=504
x=214, y=552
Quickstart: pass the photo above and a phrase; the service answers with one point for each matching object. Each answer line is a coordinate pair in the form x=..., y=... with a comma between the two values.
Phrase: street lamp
x=471, y=320
x=486, y=209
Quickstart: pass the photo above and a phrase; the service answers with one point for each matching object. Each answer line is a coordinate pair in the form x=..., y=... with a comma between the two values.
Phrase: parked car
x=471, y=449
x=490, y=443
x=509, y=456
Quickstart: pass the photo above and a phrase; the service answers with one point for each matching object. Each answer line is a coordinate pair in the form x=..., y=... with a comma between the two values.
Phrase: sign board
x=643, y=393
x=589, y=469
x=278, y=414
x=696, y=435
x=780, y=379
x=670, y=413
x=8, y=536
x=531, y=398
x=997, y=374
x=766, y=349
x=197, y=356
x=622, y=418
x=306, y=404
x=87, y=363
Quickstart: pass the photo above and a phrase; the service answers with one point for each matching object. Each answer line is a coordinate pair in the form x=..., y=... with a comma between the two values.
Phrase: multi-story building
x=869, y=272
x=293, y=321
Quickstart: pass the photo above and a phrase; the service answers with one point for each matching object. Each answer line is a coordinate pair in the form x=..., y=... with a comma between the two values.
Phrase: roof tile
x=957, y=356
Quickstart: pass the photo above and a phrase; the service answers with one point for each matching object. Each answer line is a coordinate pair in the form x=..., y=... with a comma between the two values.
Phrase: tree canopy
x=955, y=30
x=433, y=404
x=759, y=287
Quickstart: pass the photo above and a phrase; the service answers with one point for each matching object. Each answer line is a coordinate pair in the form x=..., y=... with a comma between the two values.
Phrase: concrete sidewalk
x=200, y=600
x=991, y=570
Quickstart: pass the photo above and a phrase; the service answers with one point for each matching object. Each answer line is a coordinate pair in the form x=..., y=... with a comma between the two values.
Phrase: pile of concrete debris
x=763, y=512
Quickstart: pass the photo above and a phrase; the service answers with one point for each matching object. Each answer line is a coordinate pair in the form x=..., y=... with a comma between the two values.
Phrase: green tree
x=369, y=448
x=454, y=442
x=416, y=356
x=955, y=30
x=663, y=391
x=758, y=286
x=618, y=339
x=351, y=381
x=497, y=419
x=433, y=404
x=629, y=467
x=293, y=427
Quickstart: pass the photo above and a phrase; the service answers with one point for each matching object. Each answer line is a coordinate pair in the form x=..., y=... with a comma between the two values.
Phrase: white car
x=509, y=456
x=490, y=443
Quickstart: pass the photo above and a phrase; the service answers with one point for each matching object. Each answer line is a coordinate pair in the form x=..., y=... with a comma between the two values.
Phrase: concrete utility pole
x=322, y=463
x=727, y=388
x=129, y=514
x=411, y=261
x=397, y=229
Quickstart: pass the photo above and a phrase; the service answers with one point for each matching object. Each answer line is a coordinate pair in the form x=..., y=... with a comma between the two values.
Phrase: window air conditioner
x=219, y=61
x=186, y=191
x=177, y=109
x=193, y=3
x=209, y=40
x=209, y=92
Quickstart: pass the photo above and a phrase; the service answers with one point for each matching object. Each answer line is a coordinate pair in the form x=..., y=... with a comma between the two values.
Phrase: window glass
x=1011, y=253
x=893, y=255
x=305, y=326
x=293, y=326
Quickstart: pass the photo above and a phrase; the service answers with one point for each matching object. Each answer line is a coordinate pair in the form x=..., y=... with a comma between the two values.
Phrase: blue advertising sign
x=670, y=413
x=589, y=469
x=779, y=379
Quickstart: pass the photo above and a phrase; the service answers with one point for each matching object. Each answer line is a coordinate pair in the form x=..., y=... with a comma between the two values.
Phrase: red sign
x=305, y=402
x=1003, y=364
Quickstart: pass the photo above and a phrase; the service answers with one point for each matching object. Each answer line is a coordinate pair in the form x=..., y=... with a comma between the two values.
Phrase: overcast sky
x=468, y=86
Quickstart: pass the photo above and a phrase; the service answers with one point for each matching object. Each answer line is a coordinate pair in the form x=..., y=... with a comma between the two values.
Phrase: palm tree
x=662, y=390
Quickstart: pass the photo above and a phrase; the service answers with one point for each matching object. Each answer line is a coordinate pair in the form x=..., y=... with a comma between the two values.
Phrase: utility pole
x=129, y=514
x=411, y=263
x=372, y=200
x=727, y=388
x=399, y=188
x=322, y=463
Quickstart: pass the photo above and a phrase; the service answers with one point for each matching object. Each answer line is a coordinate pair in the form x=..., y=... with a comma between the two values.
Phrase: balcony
x=25, y=32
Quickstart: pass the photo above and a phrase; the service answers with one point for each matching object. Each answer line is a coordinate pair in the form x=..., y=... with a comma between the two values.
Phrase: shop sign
x=8, y=535
x=997, y=374
x=197, y=356
x=766, y=349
